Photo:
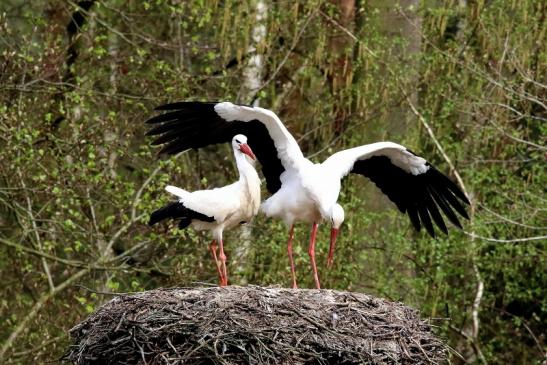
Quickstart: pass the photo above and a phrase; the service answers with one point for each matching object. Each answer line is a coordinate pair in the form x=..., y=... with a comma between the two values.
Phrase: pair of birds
x=301, y=190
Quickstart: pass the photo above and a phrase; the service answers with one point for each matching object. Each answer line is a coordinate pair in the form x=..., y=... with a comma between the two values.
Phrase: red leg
x=213, y=248
x=311, y=252
x=222, y=257
x=289, y=250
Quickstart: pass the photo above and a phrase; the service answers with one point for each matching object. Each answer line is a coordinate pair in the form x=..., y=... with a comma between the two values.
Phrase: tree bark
x=340, y=72
x=252, y=82
x=400, y=19
x=252, y=75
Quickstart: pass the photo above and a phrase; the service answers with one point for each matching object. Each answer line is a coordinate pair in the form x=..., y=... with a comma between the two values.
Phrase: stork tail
x=177, y=210
x=172, y=210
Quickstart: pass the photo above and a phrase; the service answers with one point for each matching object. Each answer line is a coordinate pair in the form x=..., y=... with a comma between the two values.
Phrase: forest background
x=461, y=82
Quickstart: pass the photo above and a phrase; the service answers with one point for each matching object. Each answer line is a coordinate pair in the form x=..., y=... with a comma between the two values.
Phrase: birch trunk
x=252, y=81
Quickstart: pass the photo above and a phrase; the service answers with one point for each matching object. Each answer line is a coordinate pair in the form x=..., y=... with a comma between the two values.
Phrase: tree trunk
x=340, y=72
x=252, y=75
x=252, y=81
x=398, y=19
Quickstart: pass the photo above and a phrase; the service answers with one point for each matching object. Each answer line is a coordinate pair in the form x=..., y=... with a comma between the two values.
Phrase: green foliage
x=79, y=178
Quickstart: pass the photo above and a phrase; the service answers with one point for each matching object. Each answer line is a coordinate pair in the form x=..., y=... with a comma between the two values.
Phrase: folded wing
x=218, y=203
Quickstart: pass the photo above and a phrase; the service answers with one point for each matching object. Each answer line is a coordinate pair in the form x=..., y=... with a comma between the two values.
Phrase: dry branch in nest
x=235, y=325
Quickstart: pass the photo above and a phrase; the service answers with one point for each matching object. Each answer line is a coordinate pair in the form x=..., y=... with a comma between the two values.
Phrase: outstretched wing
x=414, y=185
x=193, y=125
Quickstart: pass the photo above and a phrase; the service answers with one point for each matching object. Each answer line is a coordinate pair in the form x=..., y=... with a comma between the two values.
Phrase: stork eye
x=238, y=141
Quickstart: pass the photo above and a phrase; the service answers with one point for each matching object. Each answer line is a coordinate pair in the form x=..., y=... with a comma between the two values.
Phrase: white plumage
x=302, y=190
x=218, y=209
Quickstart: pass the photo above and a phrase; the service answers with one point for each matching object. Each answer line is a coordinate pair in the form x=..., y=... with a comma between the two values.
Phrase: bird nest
x=235, y=325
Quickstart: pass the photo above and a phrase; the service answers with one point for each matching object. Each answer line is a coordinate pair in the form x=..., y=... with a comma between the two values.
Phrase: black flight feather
x=186, y=125
x=421, y=196
x=177, y=210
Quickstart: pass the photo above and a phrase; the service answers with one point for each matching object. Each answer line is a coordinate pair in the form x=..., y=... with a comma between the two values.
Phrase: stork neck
x=249, y=182
x=246, y=170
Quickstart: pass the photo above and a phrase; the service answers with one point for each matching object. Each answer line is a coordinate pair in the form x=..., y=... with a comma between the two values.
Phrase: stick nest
x=235, y=325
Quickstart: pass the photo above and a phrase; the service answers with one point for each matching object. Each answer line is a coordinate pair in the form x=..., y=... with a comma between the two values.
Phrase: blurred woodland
x=461, y=82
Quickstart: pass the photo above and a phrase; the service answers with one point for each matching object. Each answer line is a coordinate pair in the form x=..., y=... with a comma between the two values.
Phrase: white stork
x=218, y=209
x=302, y=190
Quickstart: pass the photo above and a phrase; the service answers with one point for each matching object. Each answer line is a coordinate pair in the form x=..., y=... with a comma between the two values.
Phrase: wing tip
x=452, y=186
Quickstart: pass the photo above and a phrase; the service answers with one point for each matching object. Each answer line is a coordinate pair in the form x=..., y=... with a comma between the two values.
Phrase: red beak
x=247, y=150
x=333, y=233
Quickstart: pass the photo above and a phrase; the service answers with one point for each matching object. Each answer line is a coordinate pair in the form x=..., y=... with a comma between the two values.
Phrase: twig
x=146, y=182
x=92, y=209
x=35, y=230
x=36, y=308
x=41, y=346
x=293, y=46
x=475, y=312
x=490, y=239
x=74, y=263
x=104, y=292
x=476, y=71
x=437, y=143
x=525, y=324
x=104, y=24
x=120, y=231
x=41, y=254
x=505, y=219
x=516, y=139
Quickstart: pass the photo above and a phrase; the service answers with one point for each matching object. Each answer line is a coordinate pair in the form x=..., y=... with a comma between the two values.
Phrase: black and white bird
x=218, y=209
x=302, y=190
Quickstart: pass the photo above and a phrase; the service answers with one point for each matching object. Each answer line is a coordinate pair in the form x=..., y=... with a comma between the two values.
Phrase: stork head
x=337, y=218
x=239, y=143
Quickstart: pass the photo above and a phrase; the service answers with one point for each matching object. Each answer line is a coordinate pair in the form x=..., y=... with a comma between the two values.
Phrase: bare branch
x=35, y=230
x=514, y=240
x=35, y=310
x=437, y=143
x=505, y=219
x=293, y=46
x=119, y=232
x=475, y=311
